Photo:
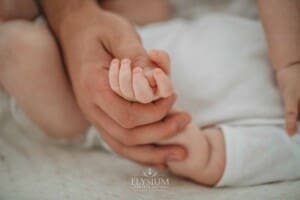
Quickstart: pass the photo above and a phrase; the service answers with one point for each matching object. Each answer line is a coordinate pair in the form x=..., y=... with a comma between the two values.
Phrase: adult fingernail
x=175, y=157
x=183, y=122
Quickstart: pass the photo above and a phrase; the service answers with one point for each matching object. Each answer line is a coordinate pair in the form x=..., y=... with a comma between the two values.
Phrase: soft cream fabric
x=33, y=168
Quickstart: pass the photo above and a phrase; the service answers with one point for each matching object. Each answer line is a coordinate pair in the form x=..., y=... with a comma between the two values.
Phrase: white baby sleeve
x=259, y=154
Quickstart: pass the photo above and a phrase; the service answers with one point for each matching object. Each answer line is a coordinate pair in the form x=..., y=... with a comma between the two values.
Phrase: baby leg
x=205, y=162
x=32, y=72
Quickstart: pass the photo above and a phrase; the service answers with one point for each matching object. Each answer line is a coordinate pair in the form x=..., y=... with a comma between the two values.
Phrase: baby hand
x=289, y=83
x=142, y=85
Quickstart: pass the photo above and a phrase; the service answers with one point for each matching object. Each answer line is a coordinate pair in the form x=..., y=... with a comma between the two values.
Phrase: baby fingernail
x=158, y=71
x=115, y=61
x=125, y=61
x=137, y=70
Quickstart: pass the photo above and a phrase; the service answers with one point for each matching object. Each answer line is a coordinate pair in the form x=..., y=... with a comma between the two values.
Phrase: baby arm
x=206, y=152
x=282, y=27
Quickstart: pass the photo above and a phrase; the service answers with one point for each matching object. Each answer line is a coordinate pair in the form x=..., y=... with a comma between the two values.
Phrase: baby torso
x=220, y=69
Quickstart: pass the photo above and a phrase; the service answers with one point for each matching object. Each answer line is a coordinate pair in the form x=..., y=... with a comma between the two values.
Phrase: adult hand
x=90, y=37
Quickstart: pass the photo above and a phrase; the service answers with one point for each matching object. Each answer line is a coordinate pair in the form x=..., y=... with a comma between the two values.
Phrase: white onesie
x=222, y=76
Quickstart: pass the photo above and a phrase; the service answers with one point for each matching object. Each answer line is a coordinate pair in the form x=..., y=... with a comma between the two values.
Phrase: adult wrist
x=61, y=13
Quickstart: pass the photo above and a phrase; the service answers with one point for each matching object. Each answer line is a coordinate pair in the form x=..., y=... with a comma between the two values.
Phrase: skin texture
x=24, y=49
x=281, y=20
x=18, y=9
x=205, y=162
x=144, y=13
x=87, y=49
x=134, y=85
x=120, y=129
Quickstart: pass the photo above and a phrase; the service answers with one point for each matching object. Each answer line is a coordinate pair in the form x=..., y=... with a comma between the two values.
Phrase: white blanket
x=33, y=168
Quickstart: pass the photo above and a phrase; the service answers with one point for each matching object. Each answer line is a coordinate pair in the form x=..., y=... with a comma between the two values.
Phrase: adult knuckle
x=126, y=120
x=171, y=128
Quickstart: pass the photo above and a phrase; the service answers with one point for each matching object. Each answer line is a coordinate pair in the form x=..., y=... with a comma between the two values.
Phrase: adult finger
x=132, y=114
x=170, y=126
x=146, y=154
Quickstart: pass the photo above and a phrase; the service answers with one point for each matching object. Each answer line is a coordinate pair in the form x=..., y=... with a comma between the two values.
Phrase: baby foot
x=135, y=84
